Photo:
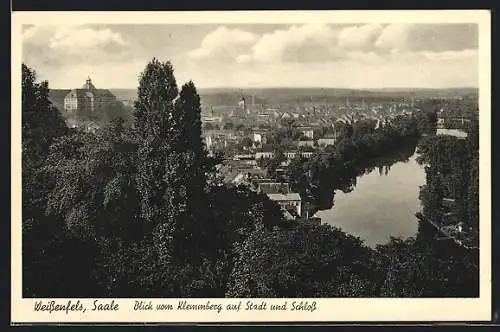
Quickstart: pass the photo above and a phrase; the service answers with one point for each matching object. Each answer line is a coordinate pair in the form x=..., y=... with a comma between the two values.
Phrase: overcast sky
x=310, y=55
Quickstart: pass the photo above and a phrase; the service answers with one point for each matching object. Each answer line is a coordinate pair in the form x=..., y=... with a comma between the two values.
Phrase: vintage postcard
x=209, y=167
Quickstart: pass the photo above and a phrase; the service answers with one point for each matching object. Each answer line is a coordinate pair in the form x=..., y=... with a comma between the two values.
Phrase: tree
x=171, y=162
x=427, y=121
x=473, y=135
x=247, y=142
x=240, y=127
x=412, y=268
x=41, y=122
x=345, y=129
x=94, y=176
x=448, y=163
x=305, y=261
x=188, y=108
x=95, y=196
x=49, y=265
x=473, y=196
x=156, y=92
x=188, y=112
x=115, y=110
x=158, y=163
x=138, y=197
x=296, y=174
x=473, y=189
x=364, y=127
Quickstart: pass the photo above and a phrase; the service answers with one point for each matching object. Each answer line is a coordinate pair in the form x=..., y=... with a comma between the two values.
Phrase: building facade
x=264, y=155
x=290, y=201
x=88, y=99
x=307, y=132
x=326, y=141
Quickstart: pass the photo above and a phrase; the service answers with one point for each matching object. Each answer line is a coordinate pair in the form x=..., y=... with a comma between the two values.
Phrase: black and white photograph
x=308, y=160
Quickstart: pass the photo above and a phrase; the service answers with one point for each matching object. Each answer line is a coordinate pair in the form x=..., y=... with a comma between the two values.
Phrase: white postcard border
x=350, y=310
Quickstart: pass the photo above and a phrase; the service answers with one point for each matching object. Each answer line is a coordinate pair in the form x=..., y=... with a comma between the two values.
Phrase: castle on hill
x=88, y=99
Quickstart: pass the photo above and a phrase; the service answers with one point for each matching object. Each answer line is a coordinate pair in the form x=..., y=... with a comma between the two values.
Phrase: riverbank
x=382, y=205
x=337, y=168
x=384, y=200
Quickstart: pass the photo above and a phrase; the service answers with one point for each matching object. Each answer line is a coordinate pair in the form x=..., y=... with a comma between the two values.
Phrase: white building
x=452, y=132
x=306, y=143
x=211, y=119
x=326, y=141
x=247, y=159
x=89, y=99
x=265, y=155
x=288, y=201
x=307, y=132
x=306, y=154
x=208, y=141
x=259, y=138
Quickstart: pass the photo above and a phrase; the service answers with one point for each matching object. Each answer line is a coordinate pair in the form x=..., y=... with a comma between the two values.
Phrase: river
x=381, y=205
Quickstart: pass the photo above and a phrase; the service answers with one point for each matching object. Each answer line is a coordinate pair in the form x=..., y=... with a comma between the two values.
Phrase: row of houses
x=223, y=138
x=253, y=157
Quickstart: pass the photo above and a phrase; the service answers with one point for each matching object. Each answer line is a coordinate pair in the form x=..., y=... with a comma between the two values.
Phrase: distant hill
x=231, y=96
x=228, y=97
x=125, y=95
x=423, y=92
x=284, y=95
x=316, y=95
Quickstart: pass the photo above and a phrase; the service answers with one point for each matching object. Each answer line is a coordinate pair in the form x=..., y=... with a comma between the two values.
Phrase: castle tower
x=88, y=84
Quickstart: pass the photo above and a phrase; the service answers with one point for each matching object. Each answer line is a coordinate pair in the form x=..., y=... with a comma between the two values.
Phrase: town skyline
x=243, y=56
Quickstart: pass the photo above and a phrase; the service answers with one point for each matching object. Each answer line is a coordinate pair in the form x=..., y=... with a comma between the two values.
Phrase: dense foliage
x=306, y=261
x=361, y=147
x=452, y=170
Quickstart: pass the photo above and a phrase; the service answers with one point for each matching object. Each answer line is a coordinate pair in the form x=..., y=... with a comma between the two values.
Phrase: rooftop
x=284, y=197
x=274, y=187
